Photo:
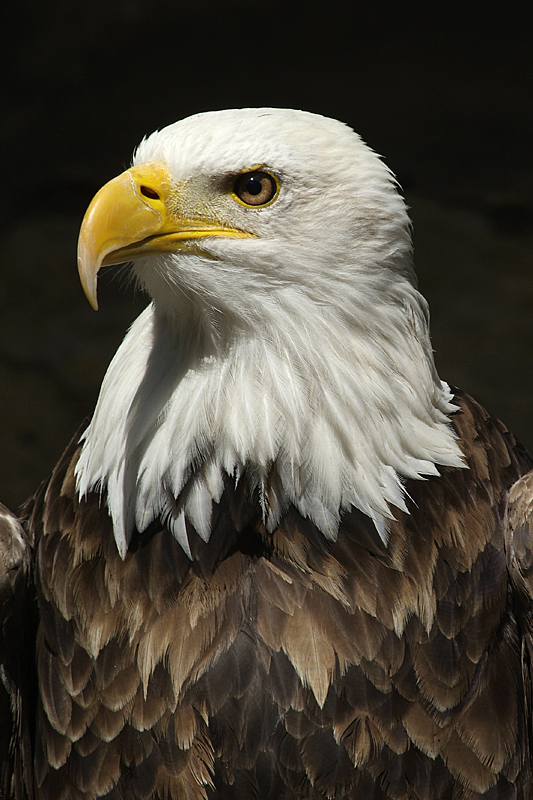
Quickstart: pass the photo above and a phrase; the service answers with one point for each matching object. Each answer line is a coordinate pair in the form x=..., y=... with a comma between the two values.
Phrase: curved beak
x=132, y=216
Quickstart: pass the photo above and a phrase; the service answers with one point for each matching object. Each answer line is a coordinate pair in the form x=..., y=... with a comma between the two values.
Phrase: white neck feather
x=299, y=357
x=343, y=409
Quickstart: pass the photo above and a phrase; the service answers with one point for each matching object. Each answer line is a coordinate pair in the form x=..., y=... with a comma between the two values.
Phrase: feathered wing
x=282, y=665
x=17, y=672
x=519, y=550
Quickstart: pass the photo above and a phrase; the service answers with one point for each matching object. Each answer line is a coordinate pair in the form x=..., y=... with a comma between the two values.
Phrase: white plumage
x=303, y=348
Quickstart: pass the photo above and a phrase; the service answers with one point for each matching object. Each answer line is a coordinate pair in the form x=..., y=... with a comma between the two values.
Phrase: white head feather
x=305, y=347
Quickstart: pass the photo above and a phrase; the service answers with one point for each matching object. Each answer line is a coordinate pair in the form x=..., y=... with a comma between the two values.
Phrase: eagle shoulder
x=17, y=674
x=519, y=551
x=519, y=534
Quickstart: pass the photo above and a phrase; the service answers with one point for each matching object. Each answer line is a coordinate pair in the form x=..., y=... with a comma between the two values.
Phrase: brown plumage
x=277, y=665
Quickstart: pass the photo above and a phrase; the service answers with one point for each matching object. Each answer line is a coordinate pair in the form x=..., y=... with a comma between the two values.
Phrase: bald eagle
x=284, y=560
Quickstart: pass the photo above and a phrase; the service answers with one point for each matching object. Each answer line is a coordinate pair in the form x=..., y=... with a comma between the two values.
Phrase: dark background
x=441, y=90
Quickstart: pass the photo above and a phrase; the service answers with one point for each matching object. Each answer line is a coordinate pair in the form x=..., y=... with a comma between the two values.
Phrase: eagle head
x=285, y=336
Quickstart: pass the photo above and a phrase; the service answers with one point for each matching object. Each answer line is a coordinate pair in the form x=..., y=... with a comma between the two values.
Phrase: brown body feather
x=277, y=666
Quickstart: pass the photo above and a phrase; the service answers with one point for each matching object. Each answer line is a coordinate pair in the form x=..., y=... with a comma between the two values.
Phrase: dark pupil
x=253, y=186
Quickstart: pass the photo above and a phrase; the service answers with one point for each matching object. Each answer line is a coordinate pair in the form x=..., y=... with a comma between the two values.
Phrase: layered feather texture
x=279, y=564
x=280, y=665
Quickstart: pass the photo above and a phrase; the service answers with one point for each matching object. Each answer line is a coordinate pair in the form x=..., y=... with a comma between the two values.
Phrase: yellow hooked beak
x=134, y=215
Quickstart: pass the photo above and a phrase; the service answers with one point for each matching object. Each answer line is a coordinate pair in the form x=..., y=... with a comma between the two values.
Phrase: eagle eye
x=256, y=188
x=147, y=191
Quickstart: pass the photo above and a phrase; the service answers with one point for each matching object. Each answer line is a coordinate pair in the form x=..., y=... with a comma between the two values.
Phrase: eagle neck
x=310, y=410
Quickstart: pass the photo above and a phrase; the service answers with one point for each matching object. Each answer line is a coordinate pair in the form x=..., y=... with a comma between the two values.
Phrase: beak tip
x=88, y=280
x=90, y=294
x=89, y=290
